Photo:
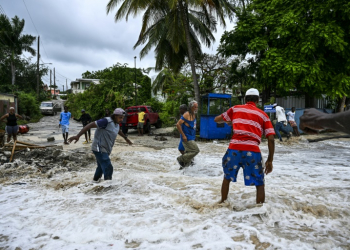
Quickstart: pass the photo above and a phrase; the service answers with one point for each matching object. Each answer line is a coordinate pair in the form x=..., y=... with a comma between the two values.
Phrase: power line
x=30, y=17
x=63, y=76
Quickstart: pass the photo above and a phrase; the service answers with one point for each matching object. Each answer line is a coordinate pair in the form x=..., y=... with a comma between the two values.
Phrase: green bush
x=28, y=105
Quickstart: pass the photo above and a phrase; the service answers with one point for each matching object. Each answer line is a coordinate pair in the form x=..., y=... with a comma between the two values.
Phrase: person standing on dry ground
x=141, y=121
x=182, y=110
x=85, y=119
x=106, y=132
x=64, y=123
x=11, y=124
x=249, y=124
x=292, y=122
x=313, y=120
x=187, y=128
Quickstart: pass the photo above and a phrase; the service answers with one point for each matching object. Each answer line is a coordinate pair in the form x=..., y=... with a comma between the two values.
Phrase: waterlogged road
x=150, y=204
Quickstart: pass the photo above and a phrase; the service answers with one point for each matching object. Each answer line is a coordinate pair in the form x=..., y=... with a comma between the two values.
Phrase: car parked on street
x=151, y=118
x=50, y=108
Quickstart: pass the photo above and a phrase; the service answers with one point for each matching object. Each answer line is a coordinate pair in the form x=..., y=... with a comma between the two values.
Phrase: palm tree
x=174, y=29
x=162, y=28
x=12, y=42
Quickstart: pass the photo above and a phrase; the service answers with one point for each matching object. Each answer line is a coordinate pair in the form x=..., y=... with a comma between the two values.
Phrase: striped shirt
x=248, y=123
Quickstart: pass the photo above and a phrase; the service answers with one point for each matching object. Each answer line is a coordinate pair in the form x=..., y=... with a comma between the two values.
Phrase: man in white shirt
x=281, y=121
x=291, y=119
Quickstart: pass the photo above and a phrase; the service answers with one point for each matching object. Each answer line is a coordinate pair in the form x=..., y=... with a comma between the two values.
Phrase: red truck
x=151, y=118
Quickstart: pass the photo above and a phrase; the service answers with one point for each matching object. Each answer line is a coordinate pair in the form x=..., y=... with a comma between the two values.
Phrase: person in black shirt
x=11, y=124
x=85, y=118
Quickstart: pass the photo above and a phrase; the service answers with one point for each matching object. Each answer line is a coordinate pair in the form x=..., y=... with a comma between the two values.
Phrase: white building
x=80, y=84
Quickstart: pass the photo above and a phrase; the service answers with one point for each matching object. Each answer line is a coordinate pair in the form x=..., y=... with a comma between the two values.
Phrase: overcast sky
x=78, y=35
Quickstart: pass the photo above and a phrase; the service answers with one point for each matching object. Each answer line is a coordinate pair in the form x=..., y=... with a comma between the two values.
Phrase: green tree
x=297, y=45
x=13, y=43
x=123, y=79
x=175, y=27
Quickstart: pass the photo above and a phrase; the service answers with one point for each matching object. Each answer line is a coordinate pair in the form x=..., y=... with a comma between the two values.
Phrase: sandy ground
x=150, y=204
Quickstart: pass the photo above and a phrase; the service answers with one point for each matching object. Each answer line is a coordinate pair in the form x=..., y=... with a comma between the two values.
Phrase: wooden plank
x=26, y=143
x=13, y=150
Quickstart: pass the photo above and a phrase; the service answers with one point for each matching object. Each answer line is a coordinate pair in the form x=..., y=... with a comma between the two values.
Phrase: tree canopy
x=295, y=44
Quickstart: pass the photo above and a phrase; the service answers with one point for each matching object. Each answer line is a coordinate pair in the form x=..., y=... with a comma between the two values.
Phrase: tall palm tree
x=181, y=27
x=12, y=42
x=162, y=28
x=220, y=8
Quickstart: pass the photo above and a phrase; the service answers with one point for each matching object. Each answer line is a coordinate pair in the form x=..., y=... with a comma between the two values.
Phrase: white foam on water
x=150, y=204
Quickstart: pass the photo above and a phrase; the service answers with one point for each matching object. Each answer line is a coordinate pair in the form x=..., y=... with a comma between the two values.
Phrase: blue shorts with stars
x=251, y=162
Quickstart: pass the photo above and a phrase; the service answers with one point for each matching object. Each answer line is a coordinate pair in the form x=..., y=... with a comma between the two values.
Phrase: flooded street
x=150, y=204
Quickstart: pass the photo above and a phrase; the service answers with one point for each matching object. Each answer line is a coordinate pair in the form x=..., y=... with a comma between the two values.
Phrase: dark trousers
x=104, y=166
x=280, y=127
x=124, y=128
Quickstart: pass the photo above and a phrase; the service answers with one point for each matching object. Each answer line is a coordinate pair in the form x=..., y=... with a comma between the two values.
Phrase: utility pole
x=63, y=88
x=66, y=85
x=135, y=83
x=54, y=84
x=37, y=70
x=50, y=82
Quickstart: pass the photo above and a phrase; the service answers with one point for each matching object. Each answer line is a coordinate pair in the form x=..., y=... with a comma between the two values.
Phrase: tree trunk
x=341, y=104
x=184, y=14
x=13, y=71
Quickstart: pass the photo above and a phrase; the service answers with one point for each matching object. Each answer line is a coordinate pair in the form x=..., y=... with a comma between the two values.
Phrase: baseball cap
x=83, y=110
x=252, y=91
x=119, y=111
x=274, y=105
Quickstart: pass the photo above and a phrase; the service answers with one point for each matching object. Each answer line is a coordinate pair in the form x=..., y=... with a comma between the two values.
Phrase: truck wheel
x=147, y=127
x=158, y=124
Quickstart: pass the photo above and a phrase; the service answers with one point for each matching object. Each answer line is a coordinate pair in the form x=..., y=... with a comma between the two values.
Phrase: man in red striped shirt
x=249, y=124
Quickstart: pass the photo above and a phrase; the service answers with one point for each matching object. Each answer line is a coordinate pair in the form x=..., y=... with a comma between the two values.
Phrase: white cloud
x=78, y=35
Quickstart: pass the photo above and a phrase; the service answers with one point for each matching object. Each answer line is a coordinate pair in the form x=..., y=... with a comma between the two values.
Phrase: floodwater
x=150, y=204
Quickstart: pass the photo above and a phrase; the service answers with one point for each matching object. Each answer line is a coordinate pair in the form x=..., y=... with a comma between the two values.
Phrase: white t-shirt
x=291, y=116
x=281, y=114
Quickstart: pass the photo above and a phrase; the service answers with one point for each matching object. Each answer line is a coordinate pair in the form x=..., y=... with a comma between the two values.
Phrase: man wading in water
x=188, y=135
x=106, y=132
x=249, y=124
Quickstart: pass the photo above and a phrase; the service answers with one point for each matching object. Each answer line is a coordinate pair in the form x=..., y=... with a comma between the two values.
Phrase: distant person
x=249, y=124
x=11, y=124
x=141, y=121
x=107, y=113
x=85, y=119
x=124, y=123
x=106, y=132
x=188, y=133
x=182, y=110
x=313, y=120
x=64, y=123
x=281, y=122
x=292, y=122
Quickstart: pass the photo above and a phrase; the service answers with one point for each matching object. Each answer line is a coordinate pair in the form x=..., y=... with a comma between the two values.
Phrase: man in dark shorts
x=249, y=124
x=85, y=119
x=106, y=132
x=11, y=124
x=141, y=121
